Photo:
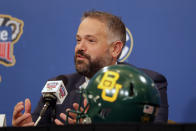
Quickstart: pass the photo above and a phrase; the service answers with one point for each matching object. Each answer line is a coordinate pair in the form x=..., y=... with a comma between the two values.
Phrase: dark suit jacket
x=73, y=81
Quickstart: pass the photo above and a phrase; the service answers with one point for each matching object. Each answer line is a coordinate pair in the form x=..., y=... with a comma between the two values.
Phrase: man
x=100, y=39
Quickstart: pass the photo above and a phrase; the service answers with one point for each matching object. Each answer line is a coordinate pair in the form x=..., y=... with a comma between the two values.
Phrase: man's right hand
x=22, y=119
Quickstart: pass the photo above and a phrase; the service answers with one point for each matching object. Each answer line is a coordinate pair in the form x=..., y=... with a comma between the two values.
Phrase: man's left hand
x=72, y=116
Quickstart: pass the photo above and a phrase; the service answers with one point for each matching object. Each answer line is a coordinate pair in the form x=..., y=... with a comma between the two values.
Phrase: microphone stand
x=49, y=99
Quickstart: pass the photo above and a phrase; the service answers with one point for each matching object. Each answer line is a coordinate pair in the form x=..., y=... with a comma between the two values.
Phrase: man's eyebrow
x=87, y=36
x=91, y=36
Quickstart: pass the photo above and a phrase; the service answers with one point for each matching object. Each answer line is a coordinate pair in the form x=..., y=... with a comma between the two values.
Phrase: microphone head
x=56, y=88
x=49, y=97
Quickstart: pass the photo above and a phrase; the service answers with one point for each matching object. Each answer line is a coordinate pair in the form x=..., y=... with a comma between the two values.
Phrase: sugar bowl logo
x=10, y=31
x=128, y=46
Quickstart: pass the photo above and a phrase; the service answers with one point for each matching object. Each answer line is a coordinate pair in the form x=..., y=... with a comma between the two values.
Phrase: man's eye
x=91, y=40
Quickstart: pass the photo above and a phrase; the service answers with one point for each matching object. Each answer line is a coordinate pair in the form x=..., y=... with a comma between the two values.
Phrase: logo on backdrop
x=128, y=46
x=10, y=31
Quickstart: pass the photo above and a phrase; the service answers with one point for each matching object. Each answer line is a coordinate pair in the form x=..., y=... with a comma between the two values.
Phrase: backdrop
x=37, y=40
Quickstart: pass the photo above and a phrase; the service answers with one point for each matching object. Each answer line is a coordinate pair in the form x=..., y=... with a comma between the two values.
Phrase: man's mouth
x=80, y=57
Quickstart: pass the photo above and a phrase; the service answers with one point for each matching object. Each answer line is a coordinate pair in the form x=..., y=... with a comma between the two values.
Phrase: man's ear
x=116, y=48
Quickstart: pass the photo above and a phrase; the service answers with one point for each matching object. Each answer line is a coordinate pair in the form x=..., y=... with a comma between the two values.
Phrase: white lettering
x=15, y=28
x=1, y=21
x=3, y=35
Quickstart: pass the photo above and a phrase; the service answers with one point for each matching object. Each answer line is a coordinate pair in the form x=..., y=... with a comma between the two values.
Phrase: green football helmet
x=119, y=93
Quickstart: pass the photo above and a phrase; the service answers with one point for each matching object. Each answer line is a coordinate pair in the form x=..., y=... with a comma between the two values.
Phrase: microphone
x=54, y=92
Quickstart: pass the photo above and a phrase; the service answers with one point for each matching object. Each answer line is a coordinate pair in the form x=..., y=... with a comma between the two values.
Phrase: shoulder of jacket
x=158, y=78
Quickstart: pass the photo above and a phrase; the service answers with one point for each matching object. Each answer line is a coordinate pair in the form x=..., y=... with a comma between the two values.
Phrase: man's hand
x=72, y=118
x=24, y=119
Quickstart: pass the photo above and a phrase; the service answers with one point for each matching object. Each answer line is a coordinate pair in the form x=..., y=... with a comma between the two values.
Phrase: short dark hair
x=114, y=23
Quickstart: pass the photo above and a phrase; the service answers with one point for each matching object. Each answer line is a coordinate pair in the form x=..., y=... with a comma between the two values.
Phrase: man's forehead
x=91, y=27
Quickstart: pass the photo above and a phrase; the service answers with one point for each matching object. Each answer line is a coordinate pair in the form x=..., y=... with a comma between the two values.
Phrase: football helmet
x=119, y=93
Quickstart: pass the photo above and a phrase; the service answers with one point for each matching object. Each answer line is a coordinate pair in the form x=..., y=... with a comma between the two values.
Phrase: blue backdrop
x=163, y=40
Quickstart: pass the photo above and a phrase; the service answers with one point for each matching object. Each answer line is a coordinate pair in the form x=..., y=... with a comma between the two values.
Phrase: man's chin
x=82, y=67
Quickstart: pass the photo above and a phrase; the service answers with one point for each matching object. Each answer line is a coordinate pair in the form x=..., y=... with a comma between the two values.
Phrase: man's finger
x=85, y=105
x=75, y=106
x=71, y=114
x=17, y=110
x=27, y=105
x=71, y=121
x=58, y=122
x=21, y=119
x=63, y=116
x=85, y=102
x=29, y=124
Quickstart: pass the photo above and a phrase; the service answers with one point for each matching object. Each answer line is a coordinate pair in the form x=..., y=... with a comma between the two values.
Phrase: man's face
x=92, y=51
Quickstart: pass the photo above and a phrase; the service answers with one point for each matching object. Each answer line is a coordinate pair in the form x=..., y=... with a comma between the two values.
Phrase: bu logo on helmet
x=109, y=86
x=10, y=31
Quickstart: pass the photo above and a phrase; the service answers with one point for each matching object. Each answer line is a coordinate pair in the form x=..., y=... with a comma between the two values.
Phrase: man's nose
x=81, y=45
